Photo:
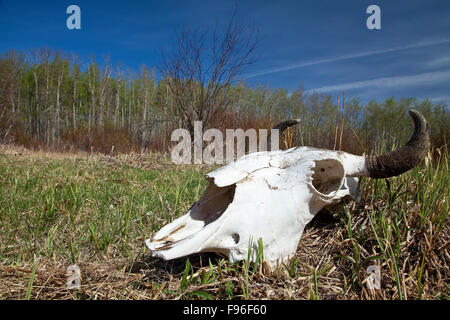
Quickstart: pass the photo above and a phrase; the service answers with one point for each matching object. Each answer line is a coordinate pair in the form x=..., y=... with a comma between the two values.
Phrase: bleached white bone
x=273, y=195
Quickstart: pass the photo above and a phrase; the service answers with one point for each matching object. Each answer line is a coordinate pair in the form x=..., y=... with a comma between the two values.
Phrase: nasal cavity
x=236, y=237
x=328, y=176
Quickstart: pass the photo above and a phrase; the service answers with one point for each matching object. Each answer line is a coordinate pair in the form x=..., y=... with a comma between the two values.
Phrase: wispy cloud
x=349, y=56
x=438, y=62
x=421, y=78
x=440, y=99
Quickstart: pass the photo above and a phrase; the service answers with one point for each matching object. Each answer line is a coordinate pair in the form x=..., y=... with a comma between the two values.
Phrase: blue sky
x=323, y=45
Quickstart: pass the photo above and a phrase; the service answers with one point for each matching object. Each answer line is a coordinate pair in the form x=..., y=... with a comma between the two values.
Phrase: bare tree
x=103, y=90
x=117, y=92
x=92, y=80
x=75, y=78
x=202, y=66
x=61, y=67
x=11, y=68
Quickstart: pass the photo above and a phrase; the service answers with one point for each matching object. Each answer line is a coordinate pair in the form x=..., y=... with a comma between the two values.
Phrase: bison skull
x=273, y=195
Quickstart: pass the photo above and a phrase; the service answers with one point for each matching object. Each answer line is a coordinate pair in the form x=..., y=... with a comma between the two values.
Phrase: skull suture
x=273, y=195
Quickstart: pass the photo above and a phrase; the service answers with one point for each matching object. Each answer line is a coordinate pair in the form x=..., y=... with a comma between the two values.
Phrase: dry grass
x=391, y=228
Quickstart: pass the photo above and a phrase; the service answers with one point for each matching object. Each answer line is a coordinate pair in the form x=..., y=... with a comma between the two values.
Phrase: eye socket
x=236, y=237
x=328, y=176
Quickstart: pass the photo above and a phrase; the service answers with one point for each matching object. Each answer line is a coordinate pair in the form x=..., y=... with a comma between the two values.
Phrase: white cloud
x=440, y=99
x=349, y=56
x=422, y=78
x=438, y=62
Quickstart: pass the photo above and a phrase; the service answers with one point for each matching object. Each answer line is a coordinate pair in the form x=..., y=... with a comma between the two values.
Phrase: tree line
x=54, y=100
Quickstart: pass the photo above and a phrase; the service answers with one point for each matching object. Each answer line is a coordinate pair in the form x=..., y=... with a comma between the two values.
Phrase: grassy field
x=95, y=211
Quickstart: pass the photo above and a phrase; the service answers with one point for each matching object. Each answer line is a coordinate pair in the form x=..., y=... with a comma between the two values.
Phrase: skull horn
x=281, y=126
x=404, y=158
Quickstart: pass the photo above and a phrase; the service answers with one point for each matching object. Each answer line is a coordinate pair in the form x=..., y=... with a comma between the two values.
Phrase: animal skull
x=273, y=195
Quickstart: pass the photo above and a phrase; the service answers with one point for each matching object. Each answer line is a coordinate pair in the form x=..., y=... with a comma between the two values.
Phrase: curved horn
x=281, y=126
x=406, y=157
